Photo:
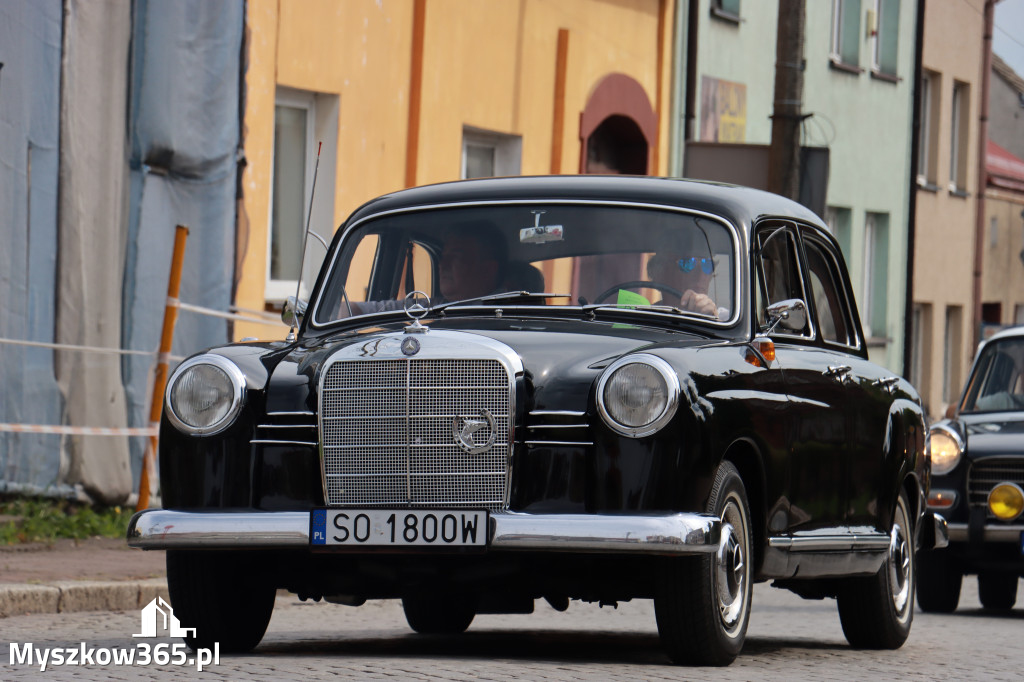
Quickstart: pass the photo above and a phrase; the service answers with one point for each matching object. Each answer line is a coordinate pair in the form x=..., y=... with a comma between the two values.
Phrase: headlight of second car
x=205, y=394
x=945, y=451
x=638, y=394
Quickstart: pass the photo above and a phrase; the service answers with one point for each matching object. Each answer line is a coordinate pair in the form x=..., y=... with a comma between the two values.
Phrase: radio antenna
x=305, y=238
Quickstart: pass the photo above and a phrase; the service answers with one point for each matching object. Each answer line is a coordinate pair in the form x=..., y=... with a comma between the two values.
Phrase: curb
x=21, y=599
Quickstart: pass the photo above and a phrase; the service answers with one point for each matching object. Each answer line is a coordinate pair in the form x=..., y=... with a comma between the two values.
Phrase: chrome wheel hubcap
x=731, y=568
x=900, y=564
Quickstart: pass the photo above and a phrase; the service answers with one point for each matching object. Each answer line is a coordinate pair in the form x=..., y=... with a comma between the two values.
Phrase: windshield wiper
x=589, y=309
x=491, y=298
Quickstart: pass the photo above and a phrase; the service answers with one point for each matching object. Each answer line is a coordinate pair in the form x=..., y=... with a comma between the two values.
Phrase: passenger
x=691, y=275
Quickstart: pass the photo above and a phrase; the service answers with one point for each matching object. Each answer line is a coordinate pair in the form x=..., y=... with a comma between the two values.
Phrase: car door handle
x=840, y=373
x=888, y=383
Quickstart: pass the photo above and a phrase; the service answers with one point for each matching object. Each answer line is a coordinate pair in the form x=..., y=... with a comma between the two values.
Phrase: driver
x=691, y=274
x=472, y=263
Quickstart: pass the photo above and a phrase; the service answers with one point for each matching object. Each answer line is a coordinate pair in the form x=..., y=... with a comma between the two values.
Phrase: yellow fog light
x=1006, y=501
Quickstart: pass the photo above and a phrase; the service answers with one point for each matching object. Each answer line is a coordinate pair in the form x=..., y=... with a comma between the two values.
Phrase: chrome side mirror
x=293, y=312
x=791, y=314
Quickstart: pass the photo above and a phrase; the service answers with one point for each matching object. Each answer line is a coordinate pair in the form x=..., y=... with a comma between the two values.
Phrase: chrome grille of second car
x=985, y=474
x=388, y=436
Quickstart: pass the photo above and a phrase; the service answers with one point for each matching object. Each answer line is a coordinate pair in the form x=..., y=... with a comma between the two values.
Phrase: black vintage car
x=558, y=388
x=978, y=483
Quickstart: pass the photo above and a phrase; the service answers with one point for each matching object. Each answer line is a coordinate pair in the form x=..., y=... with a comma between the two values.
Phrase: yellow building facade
x=396, y=93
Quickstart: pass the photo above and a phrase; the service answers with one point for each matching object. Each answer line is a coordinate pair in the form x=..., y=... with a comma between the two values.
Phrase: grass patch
x=39, y=519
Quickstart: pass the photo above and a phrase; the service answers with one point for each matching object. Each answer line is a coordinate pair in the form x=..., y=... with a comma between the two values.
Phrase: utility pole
x=784, y=154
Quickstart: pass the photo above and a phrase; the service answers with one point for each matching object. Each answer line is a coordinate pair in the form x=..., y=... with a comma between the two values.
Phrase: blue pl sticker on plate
x=318, y=527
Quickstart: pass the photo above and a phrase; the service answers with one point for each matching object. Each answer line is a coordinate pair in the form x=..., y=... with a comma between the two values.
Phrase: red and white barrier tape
x=79, y=430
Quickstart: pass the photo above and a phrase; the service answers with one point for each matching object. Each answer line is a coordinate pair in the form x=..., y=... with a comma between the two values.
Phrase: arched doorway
x=618, y=130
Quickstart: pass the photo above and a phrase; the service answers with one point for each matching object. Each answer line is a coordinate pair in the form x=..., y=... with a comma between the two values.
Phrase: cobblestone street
x=789, y=639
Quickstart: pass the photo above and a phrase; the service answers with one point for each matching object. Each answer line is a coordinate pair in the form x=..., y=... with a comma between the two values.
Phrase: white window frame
x=835, y=48
x=321, y=135
x=958, y=130
x=881, y=30
x=924, y=143
x=280, y=289
x=508, y=150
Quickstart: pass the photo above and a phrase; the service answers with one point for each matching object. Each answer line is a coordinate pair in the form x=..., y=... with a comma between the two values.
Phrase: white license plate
x=398, y=528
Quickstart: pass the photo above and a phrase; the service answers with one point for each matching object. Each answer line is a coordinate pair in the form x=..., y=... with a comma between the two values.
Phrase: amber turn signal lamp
x=765, y=347
x=1006, y=501
x=941, y=499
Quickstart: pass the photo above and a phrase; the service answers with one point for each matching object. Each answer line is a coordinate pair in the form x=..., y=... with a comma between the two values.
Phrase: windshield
x=623, y=256
x=997, y=384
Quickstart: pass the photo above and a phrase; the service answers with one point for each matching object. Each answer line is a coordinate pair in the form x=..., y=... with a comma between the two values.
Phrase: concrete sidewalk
x=98, y=574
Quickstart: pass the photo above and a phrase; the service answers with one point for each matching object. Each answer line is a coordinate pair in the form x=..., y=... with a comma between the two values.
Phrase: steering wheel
x=639, y=284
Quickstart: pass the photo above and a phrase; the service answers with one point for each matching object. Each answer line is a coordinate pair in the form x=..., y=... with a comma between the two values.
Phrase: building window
x=921, y=360
x=838, y=221
x=951, y=353
x=958, y=138
x=876, y=274
x=1018, y=314
x=293, y=139
x=884, y=53
x=993, y=232
x=927, y=143
x=302, y=121
x=846, y=33
x=488, y=154
x=728, y=10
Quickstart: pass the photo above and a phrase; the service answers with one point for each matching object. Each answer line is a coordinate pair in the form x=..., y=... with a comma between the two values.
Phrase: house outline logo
x=159, y=610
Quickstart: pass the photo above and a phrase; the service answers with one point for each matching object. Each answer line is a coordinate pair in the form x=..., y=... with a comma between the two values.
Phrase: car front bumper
x=669, y=534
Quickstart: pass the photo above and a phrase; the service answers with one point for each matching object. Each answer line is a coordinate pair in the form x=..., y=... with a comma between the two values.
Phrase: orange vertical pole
x=419, y=14
x=162, y=363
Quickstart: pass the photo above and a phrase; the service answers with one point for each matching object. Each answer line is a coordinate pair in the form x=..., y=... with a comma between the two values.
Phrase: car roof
x=1004, y=333
x=741, y=205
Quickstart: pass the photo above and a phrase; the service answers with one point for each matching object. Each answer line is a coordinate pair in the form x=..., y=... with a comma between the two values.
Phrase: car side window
x=827, y=294
x=778, y=272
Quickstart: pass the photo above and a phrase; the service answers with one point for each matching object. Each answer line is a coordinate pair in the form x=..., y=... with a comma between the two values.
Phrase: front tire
x=222, y=595
x=876, y=612
x=938, y=582
x=997, y=591
x=440, y=612
x=702, y=604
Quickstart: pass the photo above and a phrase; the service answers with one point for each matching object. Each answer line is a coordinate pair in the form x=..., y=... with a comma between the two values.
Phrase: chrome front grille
x=985, y=474
x=388, y=438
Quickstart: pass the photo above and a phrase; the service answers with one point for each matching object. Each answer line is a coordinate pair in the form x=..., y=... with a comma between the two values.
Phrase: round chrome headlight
x=638, y=394
x=205, y=394
x=945, y=451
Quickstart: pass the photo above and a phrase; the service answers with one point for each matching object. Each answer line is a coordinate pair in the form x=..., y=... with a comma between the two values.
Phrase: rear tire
x=222, y=595
x=997, y=591
x=702, y=603
x=938, y=582
x=438, y=612
x=877, y=612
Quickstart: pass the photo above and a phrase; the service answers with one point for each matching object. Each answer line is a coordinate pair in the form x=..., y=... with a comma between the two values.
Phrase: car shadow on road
x=533, y=645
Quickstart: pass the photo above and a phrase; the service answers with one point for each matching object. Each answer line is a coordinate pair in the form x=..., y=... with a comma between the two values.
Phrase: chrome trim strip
x=831, y=543
x=286, y=426
x=667, y=534
x=262, y=441
x=581, y=443
x=941, y=531
x=737, y=238
x=556, y=413
x=558, y=426
x=993, y=533
x=291, y=414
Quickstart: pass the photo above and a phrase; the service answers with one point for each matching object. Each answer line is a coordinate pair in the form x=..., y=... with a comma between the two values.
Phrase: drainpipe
x=915, y=144
x=675, y=137
x=979, y=223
